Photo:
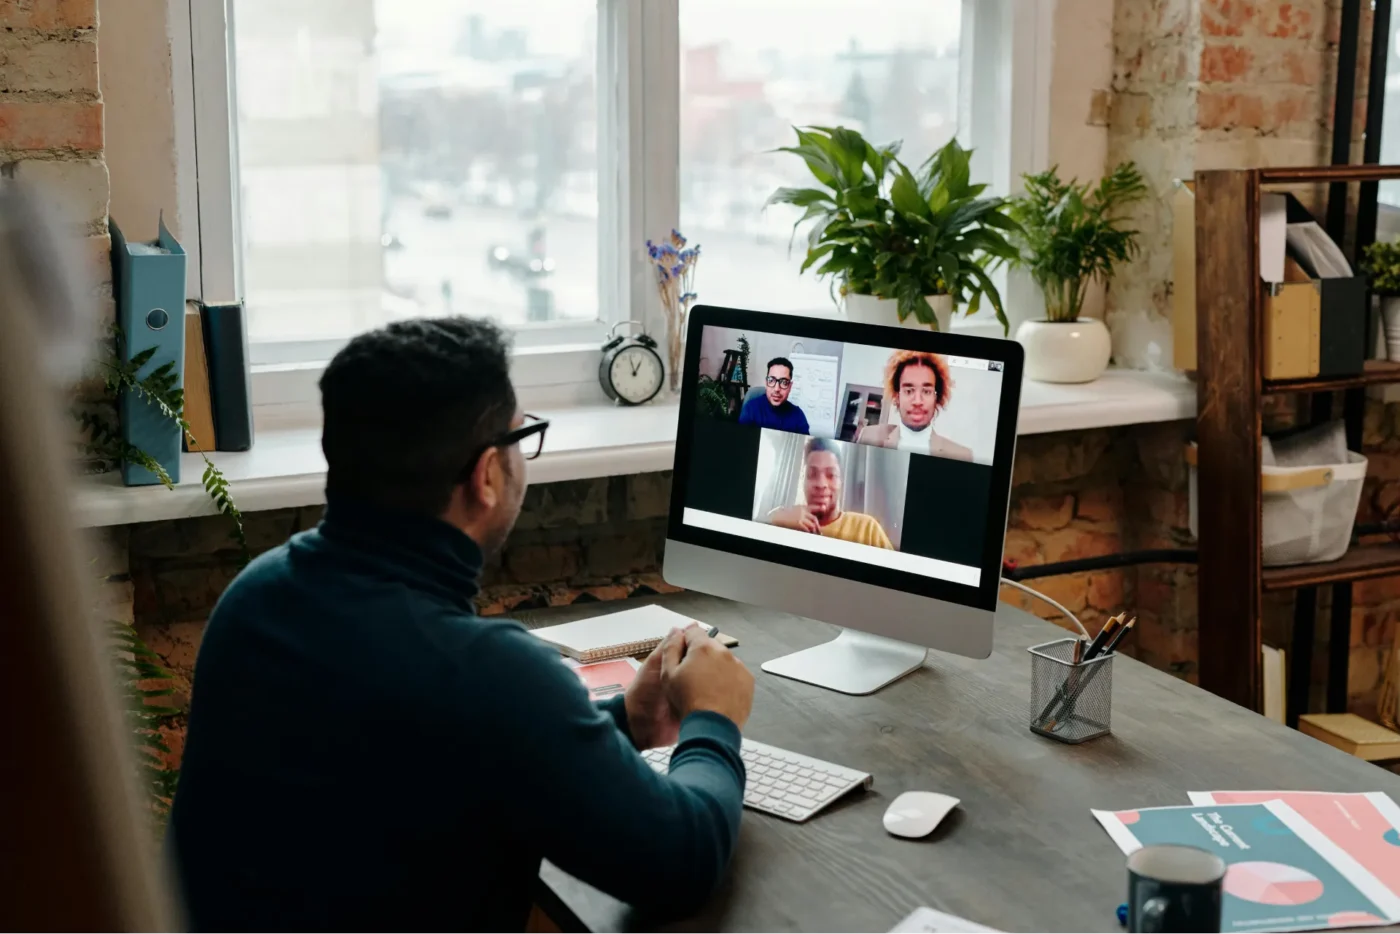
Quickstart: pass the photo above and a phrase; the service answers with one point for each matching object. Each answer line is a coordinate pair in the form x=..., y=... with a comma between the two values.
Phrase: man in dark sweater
x=365, y=752
x=772, y=408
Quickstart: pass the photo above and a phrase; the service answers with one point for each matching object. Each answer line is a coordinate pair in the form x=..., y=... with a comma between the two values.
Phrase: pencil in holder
x=1070, y=703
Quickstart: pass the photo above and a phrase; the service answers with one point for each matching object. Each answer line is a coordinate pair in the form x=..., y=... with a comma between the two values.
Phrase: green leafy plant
x=879, y=229
x=141, y=682
x=159, y=388
x=1071, y=233
x=1383, y=265
x=710, y=399
x=744, y=356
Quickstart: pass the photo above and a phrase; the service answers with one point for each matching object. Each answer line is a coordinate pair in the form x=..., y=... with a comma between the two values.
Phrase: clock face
x=636, y=374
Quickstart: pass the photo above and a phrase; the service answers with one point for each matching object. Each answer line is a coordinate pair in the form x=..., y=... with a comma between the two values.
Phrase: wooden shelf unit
x=1377, y=372
x=1230, y=390
x=1361, y=562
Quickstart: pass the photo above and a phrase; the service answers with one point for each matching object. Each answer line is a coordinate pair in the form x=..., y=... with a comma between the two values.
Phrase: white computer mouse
x=918, y=813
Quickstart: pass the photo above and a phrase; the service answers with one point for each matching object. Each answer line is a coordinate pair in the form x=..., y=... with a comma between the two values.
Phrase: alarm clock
x=631, y=371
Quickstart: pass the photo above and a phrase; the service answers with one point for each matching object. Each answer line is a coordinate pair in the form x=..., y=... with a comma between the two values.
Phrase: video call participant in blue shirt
x=772, y=409
x=365, y=752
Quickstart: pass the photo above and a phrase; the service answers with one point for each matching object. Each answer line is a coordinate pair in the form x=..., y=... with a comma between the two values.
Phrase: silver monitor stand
x=853, y=663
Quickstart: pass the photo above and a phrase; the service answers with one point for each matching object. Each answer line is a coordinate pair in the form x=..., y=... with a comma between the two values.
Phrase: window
x=747, y=79
x=361, y=161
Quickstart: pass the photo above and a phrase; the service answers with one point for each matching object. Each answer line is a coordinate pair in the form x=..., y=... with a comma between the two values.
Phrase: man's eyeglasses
x=779, y=382
x=530, y=437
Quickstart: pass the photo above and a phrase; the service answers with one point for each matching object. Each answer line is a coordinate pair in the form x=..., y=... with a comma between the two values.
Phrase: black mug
x=1174, y=888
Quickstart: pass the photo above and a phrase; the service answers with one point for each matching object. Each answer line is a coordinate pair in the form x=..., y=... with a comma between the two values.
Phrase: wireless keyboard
x=782, y=783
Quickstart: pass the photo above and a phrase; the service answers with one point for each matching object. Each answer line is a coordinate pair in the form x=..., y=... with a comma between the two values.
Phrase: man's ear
x=486, y=481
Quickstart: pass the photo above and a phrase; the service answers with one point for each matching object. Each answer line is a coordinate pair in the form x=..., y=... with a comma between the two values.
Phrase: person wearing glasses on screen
x=772, y=409
x=920, y=385
x=821, y=513
x=366, y=752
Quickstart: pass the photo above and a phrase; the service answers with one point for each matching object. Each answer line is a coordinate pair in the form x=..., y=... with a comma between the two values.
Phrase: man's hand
x=795, y=517
x=700, y=674
x=650, y=718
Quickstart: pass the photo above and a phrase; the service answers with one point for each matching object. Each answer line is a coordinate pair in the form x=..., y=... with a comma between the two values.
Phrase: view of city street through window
x=408, y=157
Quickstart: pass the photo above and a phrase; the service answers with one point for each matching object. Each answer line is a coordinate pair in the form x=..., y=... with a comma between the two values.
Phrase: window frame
x=638, y=79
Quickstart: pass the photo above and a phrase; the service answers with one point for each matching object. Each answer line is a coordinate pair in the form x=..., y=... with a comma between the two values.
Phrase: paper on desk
x=1283, y=873
x=928, y=921
x=1365, y=826
x=604, y=679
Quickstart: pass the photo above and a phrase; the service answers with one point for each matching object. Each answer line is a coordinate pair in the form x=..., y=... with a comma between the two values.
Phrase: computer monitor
x=850, y=473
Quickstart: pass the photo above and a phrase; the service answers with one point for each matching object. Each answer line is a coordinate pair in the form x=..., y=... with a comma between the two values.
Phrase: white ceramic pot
x=1065, y=352
x=867, y=309
x=1390, y=321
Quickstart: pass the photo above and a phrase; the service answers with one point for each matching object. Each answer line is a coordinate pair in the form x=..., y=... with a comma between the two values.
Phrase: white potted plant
x=1069, y=235
x=903, y=247
x=1383, y=267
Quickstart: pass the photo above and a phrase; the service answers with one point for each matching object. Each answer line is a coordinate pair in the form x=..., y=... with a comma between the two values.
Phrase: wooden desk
x=1023, y=852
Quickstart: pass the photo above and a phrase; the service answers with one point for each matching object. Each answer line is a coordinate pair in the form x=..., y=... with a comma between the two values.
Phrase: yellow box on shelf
x=1352, y=734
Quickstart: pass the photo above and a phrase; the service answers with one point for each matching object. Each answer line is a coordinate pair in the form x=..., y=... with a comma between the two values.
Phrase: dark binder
x=226, y=346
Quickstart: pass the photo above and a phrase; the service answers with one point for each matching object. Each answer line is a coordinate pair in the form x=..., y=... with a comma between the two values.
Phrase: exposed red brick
x=49, y=65
x=1106, y=590
x=538, y=563
x=1043, y=513
x=1376, y=591
x=1021, y=547
x=1100, y=504
x=1303, y=68
x=1263, y=111
x=1281, y=19
x=1225, y=62
x=48, y=14
x=27, y=126
x=1226, y=17
x=1071, y=543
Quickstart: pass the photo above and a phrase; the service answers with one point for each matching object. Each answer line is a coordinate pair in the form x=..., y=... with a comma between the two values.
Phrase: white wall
x=1081, y=78
x=133, y=41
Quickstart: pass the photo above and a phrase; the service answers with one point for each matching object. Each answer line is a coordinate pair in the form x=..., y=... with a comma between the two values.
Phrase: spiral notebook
x=617, y=635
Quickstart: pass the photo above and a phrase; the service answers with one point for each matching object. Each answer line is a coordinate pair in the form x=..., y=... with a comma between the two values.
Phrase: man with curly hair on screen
x=920, y=386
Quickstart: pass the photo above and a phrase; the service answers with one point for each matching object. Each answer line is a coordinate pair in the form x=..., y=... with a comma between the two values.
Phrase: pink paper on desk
x=1366, y=826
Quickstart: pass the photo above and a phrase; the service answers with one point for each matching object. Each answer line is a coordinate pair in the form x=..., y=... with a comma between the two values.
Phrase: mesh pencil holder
x=1070, y=703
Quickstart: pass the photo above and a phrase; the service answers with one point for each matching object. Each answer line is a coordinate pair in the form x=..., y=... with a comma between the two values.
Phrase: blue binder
x=149, y=282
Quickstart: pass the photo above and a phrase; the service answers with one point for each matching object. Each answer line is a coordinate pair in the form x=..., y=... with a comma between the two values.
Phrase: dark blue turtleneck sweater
x=365, y=752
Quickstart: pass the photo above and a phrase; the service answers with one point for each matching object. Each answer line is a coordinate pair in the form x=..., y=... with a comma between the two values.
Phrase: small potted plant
x=1069, y=235
x=1383, y=266
x=902, y=247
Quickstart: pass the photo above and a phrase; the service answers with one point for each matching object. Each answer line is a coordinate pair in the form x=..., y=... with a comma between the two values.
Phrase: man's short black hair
x=815, y=445
x=407, y=406
x=779, y=361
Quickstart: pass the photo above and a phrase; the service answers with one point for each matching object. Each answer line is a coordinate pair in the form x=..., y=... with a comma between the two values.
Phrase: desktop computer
x=851, y=473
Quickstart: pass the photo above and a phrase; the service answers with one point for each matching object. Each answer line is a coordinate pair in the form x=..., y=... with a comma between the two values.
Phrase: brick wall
x=1204, y=84
x=51, y=134
x=1075, y=495
x=51, y=111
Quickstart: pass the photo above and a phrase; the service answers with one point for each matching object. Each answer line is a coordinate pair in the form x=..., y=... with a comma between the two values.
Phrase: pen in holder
x=1070, y=702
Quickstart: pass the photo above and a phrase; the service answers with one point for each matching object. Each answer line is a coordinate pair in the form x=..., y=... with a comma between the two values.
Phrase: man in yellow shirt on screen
x=822, y=514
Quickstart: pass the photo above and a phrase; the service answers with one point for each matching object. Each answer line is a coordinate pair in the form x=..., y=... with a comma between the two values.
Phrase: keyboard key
x=799, y=781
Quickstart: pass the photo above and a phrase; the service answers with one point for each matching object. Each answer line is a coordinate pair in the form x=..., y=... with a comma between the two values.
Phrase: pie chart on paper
x=1272, y=884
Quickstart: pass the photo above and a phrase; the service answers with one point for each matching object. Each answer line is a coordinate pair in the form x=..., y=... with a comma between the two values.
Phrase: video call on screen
x=873, y=454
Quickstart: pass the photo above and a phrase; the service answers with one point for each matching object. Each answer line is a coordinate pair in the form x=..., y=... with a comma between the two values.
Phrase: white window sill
x=285, y=468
